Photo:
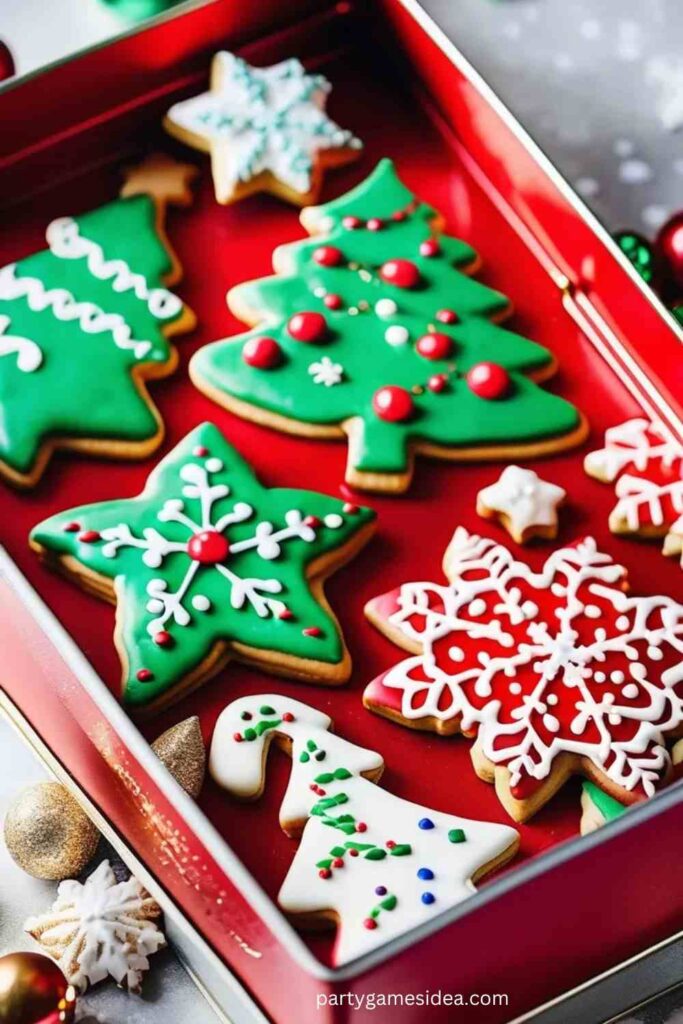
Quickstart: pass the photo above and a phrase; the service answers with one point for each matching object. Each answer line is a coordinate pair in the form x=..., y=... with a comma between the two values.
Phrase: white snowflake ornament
x=101, y=928
x=525, y=504
x=265, y=128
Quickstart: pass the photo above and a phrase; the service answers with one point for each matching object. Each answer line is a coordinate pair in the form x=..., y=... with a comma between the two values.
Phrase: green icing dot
x=342, y=773
x=375, y=854
x=304, y=757
x=457, y=835
x=250, y=734
x=266, y=709
x=310, y=745
x=401, y=850
x=389, y=902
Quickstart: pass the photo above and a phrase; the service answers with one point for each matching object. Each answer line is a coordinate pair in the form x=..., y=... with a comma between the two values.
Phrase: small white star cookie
x=525, y=504
x=265, y=128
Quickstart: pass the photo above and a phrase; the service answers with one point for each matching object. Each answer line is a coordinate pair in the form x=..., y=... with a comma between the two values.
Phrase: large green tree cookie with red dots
x=207, y=565
x=377, y=332
x=86, y=322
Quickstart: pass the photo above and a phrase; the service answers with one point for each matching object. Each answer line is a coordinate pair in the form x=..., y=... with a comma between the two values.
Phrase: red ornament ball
x=447, y=316
x=402, y=273
x=328, y=256
x=262, y=353
x=208, y=547
x=669, y=246
x=430, y=248
x=393, y=404
x=435, y=346
x=488, y=380
x=307, y=327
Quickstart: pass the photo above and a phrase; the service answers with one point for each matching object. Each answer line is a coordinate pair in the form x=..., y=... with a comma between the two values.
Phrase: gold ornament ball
x=47, y=833
x=33, y=990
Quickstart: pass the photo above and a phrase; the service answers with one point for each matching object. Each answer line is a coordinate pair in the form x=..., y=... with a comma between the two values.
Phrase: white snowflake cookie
x=265, y=128
x=101, y=928
x=553, y=672
x=525, y=504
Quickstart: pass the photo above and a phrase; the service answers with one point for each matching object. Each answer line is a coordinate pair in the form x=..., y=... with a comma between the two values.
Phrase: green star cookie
x=207, y=565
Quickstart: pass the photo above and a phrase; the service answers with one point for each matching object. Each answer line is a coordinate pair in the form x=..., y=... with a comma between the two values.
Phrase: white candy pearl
x=386, y=308
x=396, y=335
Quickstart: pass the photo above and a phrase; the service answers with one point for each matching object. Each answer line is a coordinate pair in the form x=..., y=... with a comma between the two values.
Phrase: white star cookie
x=524, y=504
x=265, y=128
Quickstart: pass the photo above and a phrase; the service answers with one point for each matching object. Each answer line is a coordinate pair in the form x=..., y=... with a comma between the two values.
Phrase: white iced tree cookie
x=525, y=504
x=369, y=861
x=265, y=128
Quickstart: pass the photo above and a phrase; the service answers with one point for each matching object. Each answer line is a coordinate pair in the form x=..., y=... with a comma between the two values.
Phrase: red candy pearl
x=488, y=380
x=370, y=923
x=328, y=256
x=89, y=536
x=288, y=717
x=430, y=248
x=237, y=736
x=263, y=353
x=72, y=527
x=669, y=245
x=374, y=224
x=333, y=301
x=399, y=215
x=325, y=873
x=313, y=631
x=163, y=639
x=351, y=223
x=361, y=827
x=447, y=316
x=307, y=327
x=144, y=675
x=402, y=273
x=337, y=863
x=437, y=383
x=208, y=547
x=435, y=346
x=393, y=404
x=353, y=853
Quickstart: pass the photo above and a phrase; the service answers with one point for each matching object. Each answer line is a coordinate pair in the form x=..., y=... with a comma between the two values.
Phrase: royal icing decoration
x=539, y=664
x=81, y=324
x=381, y=864
x=409, y=371
x=101, y=928
x=206, y=561
x=257, y=121
x=525, y=504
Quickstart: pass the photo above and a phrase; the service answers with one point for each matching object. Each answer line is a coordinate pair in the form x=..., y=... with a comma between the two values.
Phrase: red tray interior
x=219, y=247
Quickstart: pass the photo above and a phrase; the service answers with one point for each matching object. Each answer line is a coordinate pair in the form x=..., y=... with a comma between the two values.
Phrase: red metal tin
x=410, y=95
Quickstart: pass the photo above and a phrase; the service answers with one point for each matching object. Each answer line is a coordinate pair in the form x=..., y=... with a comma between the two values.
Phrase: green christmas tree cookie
x=85, y=323
x=207, y=565
x=378, y=333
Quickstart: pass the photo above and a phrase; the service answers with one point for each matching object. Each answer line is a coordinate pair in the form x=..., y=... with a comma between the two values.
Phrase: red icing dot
x=351, y=510
x=435, y=346
x=438, y=382
x=430, y=247
x=307, y=327
x=313, y=521
x=447, y=316
x=72, y=527
x=374, y=224
x=333, y=301
x=208, y=547
x=263, y=353
x=390, y=844
x=285, y=614
x=370, y=923
x=361, y=827
x=312, y=631
x=337, y=862
x=393, y=404
x=89, y=536
x=237, y=736
x=402, y=273
x=144, y=675
x=325, y=873
x=288, y=716
x=162, y=638
x=200, y=451
x=328, y=256
x=488, y=380
x=399, y=215
x=353, y=853
x=351, y=223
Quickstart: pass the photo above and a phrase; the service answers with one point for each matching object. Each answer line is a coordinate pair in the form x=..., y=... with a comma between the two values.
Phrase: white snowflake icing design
x=538, y=664
x=100, y=928
x=326, y=372
x=205, y=544
x=647, y=465
x=263, y=119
